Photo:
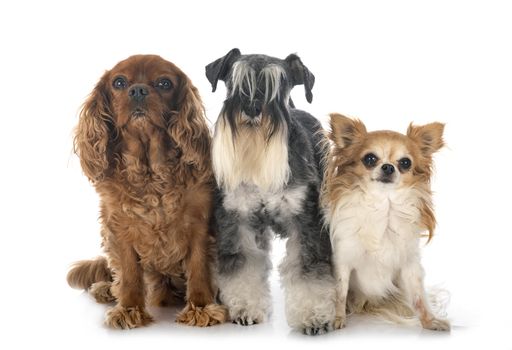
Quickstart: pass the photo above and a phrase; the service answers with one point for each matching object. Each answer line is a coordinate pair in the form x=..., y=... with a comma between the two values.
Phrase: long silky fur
x=264, y=161
x=263, y=143
x=348, y=195
x=155, y=181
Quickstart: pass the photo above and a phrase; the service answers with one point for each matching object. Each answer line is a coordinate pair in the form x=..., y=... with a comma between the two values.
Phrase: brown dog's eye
x=404, y=163
x=120, y=83
x=164, y=84
x=370, y=160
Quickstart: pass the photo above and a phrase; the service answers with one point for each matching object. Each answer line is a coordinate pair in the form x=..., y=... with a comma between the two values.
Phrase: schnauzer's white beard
x=249, y=157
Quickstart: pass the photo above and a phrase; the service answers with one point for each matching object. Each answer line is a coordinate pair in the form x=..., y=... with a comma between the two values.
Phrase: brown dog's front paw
x=208, y=315
x=127, y=317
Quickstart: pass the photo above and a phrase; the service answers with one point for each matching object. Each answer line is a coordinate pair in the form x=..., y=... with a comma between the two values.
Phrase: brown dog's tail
x=86, y=272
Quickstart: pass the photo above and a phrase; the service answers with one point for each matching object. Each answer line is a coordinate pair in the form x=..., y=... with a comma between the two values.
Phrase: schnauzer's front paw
x=245, y=317
x=339, y=322
x=437, y=325
x=246, y=321
x=208, y=315
x=127, y=317
x=102, y=293
x=317, y=329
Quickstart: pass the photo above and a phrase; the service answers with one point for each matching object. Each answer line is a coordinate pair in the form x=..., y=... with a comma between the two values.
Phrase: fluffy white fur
x=375, y=234
x=249, y=158
x=247, y=292
x=246, y=198
x=309, y=301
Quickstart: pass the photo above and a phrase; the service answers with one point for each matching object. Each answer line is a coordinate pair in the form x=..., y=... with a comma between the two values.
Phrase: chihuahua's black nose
x=388, y=169
x=138, y=92
x=253, y=110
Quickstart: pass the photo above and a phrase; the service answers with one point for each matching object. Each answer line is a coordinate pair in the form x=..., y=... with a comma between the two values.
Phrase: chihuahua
x=378, y=202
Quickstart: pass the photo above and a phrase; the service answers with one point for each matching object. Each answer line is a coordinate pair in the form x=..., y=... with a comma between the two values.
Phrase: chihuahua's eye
x=404, y=163
x=164, y=84
x=120, y=83
x=370, y=160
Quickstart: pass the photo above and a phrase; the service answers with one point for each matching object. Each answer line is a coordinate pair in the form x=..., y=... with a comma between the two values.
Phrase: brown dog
x=143, y=142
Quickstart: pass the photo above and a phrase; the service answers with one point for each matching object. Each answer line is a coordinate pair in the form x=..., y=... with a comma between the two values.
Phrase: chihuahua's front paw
x=339, y=322
x=437, y=325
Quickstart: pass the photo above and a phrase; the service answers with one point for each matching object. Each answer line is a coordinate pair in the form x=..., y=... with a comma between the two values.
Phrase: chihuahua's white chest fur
x=375, y=232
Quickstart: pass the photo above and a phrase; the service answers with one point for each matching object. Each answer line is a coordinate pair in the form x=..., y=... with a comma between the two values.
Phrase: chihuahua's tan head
x=384, y=160
x=388, y=157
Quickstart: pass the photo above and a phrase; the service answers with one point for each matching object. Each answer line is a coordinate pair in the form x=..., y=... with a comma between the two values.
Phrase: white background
x=386, y=62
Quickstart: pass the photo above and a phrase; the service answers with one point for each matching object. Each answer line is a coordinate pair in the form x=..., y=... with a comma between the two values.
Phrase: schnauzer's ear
x=219, y=69
x=301, y=75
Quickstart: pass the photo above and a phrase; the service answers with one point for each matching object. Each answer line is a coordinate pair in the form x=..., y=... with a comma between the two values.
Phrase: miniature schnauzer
x=267, y=160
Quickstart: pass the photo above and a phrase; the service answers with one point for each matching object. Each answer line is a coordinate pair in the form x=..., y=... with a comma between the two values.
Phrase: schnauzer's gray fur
x=259, y=86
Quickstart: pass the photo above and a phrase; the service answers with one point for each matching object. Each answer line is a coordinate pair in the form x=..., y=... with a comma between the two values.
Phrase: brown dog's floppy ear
x=301, y=75
x=219, y=69
x=188, y=127
x=346, y=132
x=92, y=142
x=429, y=137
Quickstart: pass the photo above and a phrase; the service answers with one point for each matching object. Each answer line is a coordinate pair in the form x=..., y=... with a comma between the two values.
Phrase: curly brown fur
x=143, y=142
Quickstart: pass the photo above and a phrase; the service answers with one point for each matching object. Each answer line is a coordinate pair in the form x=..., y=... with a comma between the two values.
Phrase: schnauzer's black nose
x=253, y=110
x=138, y=92
x=388, y=169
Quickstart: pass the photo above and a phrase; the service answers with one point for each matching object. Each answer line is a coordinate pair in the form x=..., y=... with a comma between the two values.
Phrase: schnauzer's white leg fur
x=412, y=284
x=309, y=299
x=246, y=292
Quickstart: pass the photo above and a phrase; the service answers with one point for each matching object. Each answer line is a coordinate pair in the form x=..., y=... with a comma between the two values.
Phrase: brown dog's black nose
x=388, y=169
x=138, y=92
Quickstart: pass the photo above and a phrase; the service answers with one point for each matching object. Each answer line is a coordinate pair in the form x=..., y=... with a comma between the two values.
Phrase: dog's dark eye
x=164, y=84
x=370, y=160
x=120, y=83
x=404, y=163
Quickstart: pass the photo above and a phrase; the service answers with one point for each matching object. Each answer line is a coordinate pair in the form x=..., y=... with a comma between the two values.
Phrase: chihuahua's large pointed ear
x=346, y=132
x=219, y=69
x=429, y=137
x=301, y=75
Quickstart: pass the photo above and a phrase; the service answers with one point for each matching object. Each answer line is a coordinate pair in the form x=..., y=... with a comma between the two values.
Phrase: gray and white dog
x=267, y=159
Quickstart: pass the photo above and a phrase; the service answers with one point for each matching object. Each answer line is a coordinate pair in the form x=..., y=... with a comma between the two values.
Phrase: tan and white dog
x=378, y=203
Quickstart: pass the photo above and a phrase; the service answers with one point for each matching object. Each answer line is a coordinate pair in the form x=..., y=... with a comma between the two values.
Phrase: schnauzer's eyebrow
x=245, y=82
x=243, y=72
x=273, y=75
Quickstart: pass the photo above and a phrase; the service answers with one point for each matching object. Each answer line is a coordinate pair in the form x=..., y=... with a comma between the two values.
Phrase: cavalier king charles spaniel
x=143, y=142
